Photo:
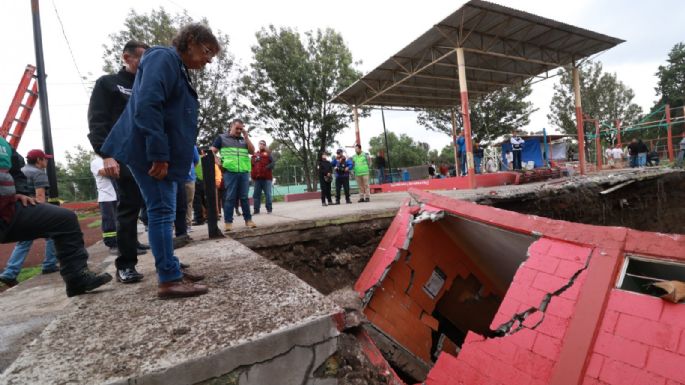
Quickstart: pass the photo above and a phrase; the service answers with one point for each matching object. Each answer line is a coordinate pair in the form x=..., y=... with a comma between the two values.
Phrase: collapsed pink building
x=470, y=294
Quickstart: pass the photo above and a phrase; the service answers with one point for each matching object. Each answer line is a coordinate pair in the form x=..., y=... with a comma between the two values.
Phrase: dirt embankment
x=655, y=204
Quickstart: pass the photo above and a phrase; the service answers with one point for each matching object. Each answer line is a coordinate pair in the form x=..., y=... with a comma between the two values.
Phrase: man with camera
x=342, y=167
x=235, y=150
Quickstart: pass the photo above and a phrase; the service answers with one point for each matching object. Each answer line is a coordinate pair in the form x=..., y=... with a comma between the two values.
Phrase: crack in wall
x=505, y=329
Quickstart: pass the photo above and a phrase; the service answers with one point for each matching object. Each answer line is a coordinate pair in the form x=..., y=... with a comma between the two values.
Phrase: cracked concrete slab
x=124, y=334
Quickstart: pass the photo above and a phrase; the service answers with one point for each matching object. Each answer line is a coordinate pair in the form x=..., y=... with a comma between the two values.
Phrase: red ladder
x=19, y=103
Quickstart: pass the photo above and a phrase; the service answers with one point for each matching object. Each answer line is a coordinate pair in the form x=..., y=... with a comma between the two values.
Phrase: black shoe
x=361, y=200
x=330, y=202
x=198, y=222
x=323, y=204
x=182, y=240
x=143, y=246
x=255, y=212
x=366, y=200
x=50, y=270
x=141, y=251
x=184, y=265
x=348, y=201
x=86, y=281
x=9, y=282
x=128, y=275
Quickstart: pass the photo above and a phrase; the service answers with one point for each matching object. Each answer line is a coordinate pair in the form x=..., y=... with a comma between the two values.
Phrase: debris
x=618, y=186
x=675, y=290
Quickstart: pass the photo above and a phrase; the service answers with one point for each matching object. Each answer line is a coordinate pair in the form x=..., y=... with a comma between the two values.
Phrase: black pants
x=199, y=202
x=325, y=190
x=130, y=202
x=180, y=224
x=59, y=224
x=517, y=159
x=108, y=213
x=344, y=183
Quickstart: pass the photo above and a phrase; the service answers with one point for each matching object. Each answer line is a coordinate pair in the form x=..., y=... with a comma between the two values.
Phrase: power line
x=73, y=59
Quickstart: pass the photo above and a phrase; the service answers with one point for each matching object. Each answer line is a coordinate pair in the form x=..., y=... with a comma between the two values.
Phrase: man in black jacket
x=108, y=100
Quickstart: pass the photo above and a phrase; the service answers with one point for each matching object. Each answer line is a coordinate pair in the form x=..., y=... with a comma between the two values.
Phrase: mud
x=652, y=204
x=328, y=257
x=350, y=366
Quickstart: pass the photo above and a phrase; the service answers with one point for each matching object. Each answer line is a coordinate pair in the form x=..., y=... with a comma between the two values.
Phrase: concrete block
x=291, y=368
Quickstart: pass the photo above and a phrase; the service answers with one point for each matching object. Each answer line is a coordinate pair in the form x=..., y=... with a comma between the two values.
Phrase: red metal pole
x=598, y=145
x=670, y=133
x=579, y=120
x=467, y=119
x=356, y=126
x=618, y=132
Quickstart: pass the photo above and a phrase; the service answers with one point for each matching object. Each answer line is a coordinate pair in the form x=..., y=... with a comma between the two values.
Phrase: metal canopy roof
x=502, y=47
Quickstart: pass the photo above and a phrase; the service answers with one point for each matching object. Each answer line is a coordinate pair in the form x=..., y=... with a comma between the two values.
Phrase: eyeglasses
x=206, y=51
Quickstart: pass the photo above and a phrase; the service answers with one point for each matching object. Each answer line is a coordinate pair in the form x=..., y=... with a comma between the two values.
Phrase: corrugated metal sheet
x=502, y=47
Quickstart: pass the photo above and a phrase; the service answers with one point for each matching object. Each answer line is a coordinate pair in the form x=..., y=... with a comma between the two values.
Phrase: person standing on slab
x=155, y=137
x=325, y=178
x=516, y=149
x=108, y=100
x=361, y=161
x=262, y=176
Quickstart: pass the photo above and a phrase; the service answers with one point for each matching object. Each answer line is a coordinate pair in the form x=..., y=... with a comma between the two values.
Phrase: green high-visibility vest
x=361, y=164
x=234, y=155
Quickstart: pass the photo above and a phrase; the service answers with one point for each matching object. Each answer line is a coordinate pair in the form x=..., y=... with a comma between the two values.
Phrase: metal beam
x=511, y=57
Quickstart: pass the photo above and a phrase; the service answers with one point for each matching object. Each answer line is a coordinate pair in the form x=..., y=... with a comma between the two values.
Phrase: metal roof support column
x=454, y=142
x=598, y=145
x=618, y=133
x=579, y=119
x=467, y=118
x=670, y=133
x=356, y=126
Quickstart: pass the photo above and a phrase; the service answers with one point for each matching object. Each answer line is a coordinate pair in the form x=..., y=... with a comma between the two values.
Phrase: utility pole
x=43, y=100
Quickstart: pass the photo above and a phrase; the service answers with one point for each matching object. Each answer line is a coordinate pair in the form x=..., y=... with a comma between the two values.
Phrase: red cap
x=37, y=154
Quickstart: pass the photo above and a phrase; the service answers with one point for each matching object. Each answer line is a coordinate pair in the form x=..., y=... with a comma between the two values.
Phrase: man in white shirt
x=617, y=156
x=107, y=200
x=516, y=149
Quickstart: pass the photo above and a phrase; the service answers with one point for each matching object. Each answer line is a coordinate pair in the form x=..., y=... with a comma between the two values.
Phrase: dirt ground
x=332, y=259
x=649, y=205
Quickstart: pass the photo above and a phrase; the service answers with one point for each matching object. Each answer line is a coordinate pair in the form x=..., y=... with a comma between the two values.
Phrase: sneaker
x=50, y=270
x=9, y=282
x=86, y=281
x=250, y=224
x=361, y=200
x=366, y=200
x=228, y=227
x=143, y=246
x=128, y=275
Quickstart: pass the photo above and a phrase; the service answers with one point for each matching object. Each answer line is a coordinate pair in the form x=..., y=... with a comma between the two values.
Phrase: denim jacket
x=160, y=119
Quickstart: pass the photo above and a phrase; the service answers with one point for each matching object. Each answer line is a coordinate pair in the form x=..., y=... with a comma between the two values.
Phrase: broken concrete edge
x=308, y=224
x=257, y=350
x=374, y=355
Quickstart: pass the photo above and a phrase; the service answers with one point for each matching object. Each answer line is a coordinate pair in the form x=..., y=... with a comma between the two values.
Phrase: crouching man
x=22, y=219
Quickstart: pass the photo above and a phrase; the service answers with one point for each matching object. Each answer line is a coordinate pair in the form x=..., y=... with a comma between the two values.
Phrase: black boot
x=86, y=281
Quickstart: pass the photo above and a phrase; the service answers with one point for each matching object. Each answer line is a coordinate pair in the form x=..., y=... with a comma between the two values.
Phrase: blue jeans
x=160, y=200
x=477, y=161
x=21, y=250
x=259, y=186
x=381, y=176
x=642, y=159
x=236, y=184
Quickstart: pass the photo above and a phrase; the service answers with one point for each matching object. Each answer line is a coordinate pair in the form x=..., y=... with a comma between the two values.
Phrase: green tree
x=215, y=84
x=604, y=97
x=404, y=151
x=493, y=115
x=671, y=86
x=287, y=90
x=76, y=180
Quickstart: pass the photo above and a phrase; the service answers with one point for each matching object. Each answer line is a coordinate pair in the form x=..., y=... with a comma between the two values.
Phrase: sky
x=373, y=30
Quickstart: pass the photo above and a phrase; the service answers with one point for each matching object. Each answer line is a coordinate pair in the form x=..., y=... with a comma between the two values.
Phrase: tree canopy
x=493, y=115
x=75, y=180
x=215, y=84
x=604, y=97
x=288, y=87
x=671, y=86
x=403, y=150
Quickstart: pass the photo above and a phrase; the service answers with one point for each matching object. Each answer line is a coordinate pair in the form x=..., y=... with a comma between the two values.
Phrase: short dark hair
x=199, y=34
x=132, y=45
x=359, y=146
x=32, y=160
x=236, y=120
